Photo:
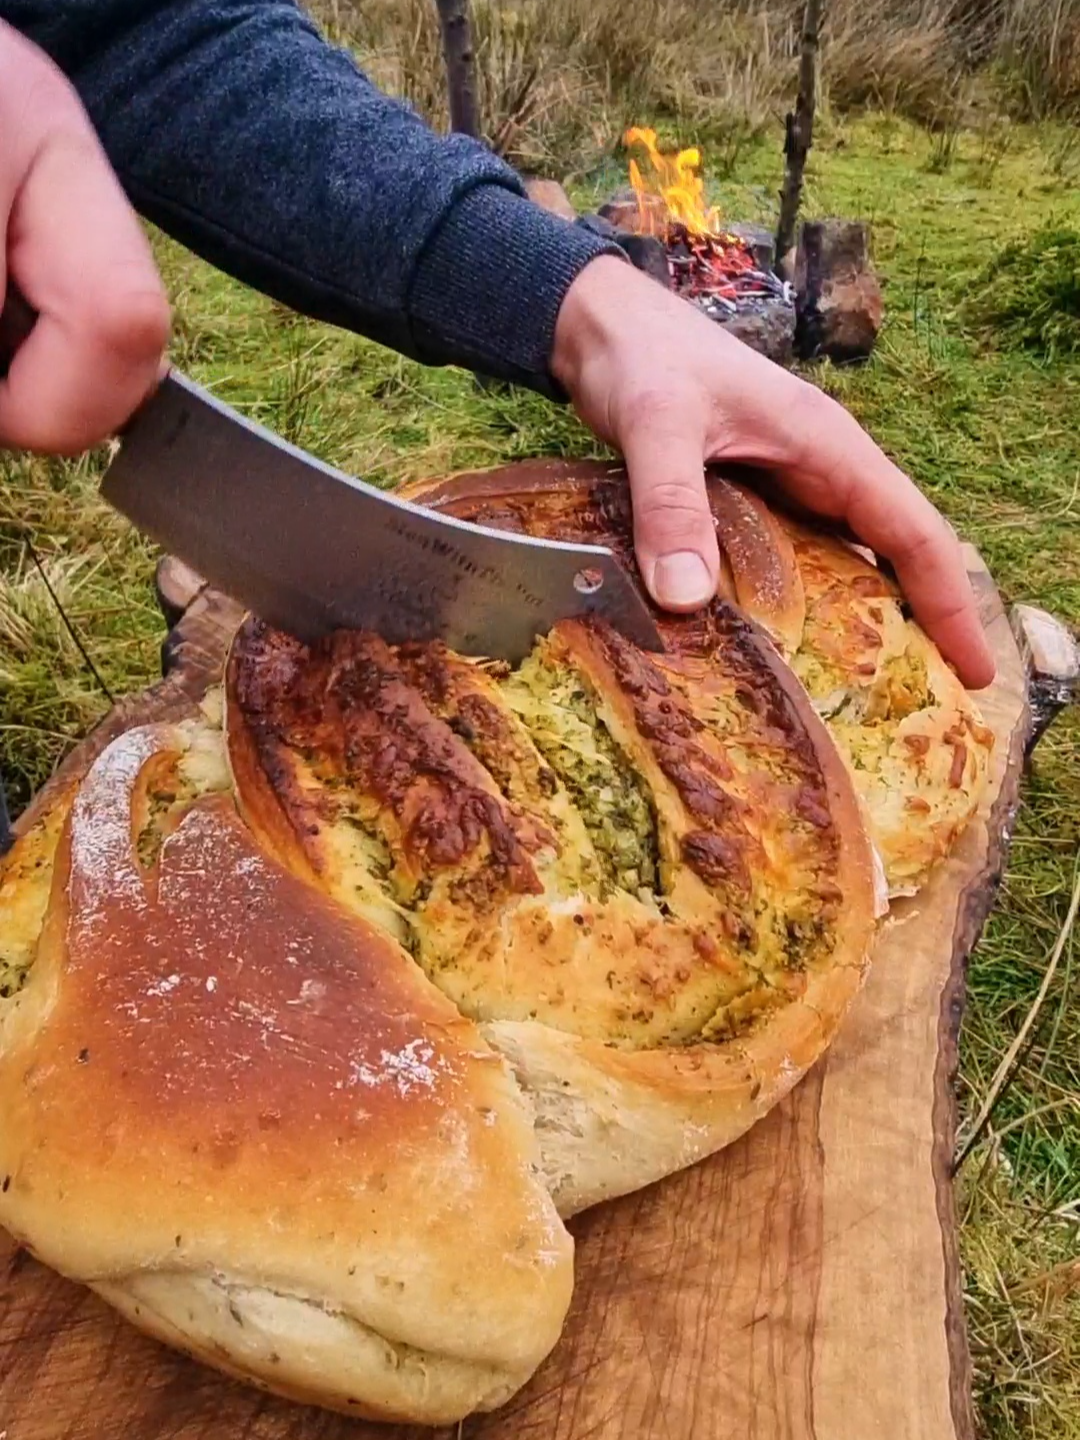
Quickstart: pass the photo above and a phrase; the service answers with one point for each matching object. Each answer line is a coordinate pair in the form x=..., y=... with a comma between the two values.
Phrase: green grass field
x=989, y=425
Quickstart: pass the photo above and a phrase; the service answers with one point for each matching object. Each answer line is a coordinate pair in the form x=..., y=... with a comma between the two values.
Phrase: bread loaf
x=315, y=1020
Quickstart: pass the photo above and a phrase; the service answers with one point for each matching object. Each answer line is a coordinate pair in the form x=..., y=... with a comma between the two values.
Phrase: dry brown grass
x=1038, y=54
x=559, y=78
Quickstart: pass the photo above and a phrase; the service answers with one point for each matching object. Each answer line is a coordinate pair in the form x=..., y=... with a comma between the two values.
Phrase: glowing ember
x=707, y=263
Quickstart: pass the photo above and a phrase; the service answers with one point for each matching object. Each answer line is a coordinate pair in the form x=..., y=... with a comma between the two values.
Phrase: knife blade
x=310, y=549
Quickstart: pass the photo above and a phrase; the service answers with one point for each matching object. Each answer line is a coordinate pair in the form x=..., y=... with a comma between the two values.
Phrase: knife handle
x=17, y=319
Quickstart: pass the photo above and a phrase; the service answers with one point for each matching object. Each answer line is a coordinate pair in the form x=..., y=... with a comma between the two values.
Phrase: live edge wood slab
x=802, y=1285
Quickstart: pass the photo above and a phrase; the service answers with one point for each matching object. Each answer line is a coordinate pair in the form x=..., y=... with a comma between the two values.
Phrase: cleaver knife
x=311, y=550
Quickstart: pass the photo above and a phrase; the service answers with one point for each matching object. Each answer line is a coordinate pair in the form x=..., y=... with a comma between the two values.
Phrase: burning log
x=718, y=272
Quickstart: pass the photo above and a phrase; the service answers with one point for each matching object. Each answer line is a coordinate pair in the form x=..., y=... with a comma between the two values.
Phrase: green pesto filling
x=553, y=703
x=176, y=794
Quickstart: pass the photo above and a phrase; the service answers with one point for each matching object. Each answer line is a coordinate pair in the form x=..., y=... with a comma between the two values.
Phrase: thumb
x=674, y=534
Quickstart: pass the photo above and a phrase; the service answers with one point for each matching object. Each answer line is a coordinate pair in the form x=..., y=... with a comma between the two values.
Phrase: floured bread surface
x=911, y=736
x=246, y=1118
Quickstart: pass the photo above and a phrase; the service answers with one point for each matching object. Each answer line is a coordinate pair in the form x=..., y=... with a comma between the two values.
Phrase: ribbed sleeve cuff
x=489, y=285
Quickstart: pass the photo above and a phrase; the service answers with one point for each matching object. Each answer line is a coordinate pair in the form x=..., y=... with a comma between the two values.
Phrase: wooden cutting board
x=802, y=1285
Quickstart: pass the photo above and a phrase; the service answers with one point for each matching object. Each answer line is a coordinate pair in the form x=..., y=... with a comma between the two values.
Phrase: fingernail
x=681, y=579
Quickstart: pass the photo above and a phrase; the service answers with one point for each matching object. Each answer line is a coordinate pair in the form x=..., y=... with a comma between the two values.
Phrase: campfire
x=729, y=270
x=708, y=263
x=666, y=229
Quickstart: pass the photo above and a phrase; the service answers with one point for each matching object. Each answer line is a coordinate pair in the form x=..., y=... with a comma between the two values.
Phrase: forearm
x=235, y=127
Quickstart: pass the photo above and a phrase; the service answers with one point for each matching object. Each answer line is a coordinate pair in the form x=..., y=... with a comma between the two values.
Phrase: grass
x=1029, y=295
x=989, y=428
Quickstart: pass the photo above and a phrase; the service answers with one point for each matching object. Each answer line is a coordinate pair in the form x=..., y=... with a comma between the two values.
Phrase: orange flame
x=674, y=191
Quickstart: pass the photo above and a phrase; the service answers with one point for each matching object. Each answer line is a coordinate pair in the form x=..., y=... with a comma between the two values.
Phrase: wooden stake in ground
x=799, y=129
x=456, y=27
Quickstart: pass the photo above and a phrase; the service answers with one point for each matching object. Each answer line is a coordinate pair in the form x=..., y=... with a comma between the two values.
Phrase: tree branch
x=798, y=133
x=456, y=28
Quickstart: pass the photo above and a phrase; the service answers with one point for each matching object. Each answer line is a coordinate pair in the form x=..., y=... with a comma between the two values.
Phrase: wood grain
x=802, y=1285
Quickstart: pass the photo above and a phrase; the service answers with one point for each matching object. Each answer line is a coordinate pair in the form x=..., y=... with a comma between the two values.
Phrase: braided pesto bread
x=311, y=1029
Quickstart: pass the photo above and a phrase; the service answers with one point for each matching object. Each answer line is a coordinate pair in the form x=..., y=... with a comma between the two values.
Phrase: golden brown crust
x=352, y=702
x=693, y=994
x=912, y=737
x=917, y=751
x=761, y=558
x=216, y=1076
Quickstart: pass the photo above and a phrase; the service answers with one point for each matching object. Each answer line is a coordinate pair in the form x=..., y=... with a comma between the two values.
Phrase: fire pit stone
x=761, y=241
x=645, y=252
x=840, y=304
x=550, y=196
x=625, y=210
x=769, y=330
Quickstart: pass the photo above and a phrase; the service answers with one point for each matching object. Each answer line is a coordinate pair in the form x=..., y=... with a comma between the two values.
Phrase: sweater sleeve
x=240, y=131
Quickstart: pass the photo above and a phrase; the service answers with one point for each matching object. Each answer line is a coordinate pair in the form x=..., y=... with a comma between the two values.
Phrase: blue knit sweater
x=240, y=131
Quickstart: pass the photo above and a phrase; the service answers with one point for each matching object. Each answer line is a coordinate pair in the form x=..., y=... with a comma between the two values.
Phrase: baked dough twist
x=313, y=1025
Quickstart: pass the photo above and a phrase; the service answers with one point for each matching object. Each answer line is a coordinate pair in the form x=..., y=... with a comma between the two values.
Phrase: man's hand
x=666, y=386
x=77, y=253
